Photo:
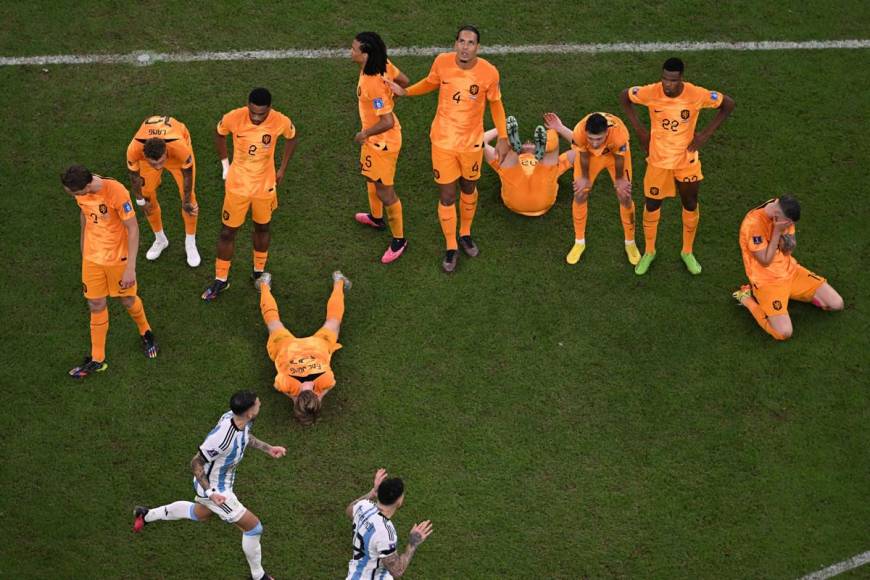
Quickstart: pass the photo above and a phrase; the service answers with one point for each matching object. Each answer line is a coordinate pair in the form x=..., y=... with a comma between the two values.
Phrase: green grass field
x=552, y=421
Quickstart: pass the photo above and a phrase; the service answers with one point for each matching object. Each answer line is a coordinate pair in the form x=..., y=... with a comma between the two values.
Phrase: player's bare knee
x=96, y=304
x=467, y=186
x=228, y=234
x=128, y=301
x=653, y=204
x=261, y=228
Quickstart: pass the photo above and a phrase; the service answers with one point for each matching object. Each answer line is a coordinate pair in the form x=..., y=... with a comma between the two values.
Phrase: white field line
x=839, y=567
x=146, y=58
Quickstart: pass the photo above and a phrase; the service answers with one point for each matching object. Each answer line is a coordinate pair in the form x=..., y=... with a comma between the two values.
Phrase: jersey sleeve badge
x=378, y=104
x=756, y=240
x=127, y=207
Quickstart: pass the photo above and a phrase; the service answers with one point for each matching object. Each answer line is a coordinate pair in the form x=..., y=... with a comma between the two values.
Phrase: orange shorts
x=378, y=165
x=773, y=297
x=236, y=206
x=154, y=177
x=599, y=162
x=659, y=183
x=99, y=281
x=448, y=166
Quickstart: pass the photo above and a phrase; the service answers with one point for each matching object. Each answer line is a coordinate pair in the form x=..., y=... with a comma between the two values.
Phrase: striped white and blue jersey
x=374, y=538
x=222, y=451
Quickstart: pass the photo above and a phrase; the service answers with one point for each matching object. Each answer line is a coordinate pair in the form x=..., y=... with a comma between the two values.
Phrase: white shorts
x=230, y=511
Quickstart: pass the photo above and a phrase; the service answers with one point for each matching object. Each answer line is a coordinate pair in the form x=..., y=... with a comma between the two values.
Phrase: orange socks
x=761, y=318
x=394, y=217
x=690, y=228
x=268, y=306
x=447, y=217
x=260, y=261
x=99, y=330
x=221, y=269
x=579, y=212
x=552, y=141
x=335, y=305
x=376, y=206
x=626, y=216
x=467, y=209
x=137, y=313
x=650, y=229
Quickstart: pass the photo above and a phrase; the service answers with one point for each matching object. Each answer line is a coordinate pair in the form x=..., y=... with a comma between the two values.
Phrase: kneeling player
x=530, y=173
x=767, y=240
x=303, y=368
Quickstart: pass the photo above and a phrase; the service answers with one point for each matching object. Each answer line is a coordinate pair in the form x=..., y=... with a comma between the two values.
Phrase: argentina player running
x=214, y=472
x=374, y=536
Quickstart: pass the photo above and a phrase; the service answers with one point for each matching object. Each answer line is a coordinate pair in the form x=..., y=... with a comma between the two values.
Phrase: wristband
x=225, y=163
x=141, y=201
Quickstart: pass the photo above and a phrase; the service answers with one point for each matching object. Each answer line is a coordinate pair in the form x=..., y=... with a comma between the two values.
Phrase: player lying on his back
x=109, y=243
x=380, y=137
x=375, y=541
x=767, y=240
x=601, y=142
x=164, y=143
x=214, y=473
x=529, y=173
x=302, y=364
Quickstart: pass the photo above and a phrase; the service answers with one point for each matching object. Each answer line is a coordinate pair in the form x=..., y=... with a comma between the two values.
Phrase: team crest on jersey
x=684, y=114
x=777, y=305
x=267, y=139
x=653, y=190
x=103, y=209
x=474, y=89
x=378, y=104
x=437, y=173
x=756, y=240
x=226, y=215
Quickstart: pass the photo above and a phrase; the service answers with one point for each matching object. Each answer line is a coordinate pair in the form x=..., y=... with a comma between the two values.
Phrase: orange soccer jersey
x=300, y=357
x=376, y=100
x=615, y=143
x=252, y=171
x=755, y=233
x=530, y=188
x=105, y=236
x=673, y=121
x=462, y=96
x=179, y=153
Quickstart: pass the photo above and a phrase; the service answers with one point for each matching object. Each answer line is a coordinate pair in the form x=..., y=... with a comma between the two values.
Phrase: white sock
x=251, y=548
x=190, y=239
x=161, y=237
x=179, y=510
x=629, y=242
x=583, y=241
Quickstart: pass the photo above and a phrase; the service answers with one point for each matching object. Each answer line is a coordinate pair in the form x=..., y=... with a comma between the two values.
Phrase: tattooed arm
x=398, y=563
x=271, y=450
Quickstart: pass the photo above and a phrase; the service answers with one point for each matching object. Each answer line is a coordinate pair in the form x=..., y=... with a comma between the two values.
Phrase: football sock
x=268, y=306
x=260, y=260
x=626, y=216
x=690, y=228
x=376, y=206
x=251, y=548
x=99, y=330
x=761, y=318
x=394, y=216
x=552, y=141
x=467, y=209
x=447, y=217
x=579, y=212
x=161, y=235
x=222, y=269
x=179, y=510
x=335, y=305
x=155, y=218
x=189, y=223
x=137, y=313
x=650, y=229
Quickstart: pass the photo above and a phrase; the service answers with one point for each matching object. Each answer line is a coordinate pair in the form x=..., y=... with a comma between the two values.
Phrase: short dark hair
x=470, y=28
x=154, y=148
x=76, y=177
x=674, y=64
x=596, y=124
x=373, y=45
x=390, y=490
x=242, y=401
x=260, y=97
x=790, y=207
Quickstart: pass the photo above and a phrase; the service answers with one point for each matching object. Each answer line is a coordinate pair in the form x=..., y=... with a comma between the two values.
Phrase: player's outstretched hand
x=552, y=121
x=397, y=90
x=502, y=147
x=277, y=452
x=623, y=188
x=581, y=185
x=419, y=533
x=380, y=476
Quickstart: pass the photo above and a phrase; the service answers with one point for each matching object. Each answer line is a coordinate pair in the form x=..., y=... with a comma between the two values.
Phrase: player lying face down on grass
x=302, y=364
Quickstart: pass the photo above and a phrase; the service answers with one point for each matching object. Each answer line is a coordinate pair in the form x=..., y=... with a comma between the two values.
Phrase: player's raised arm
x=725, y=110
x=398, y=563
x=380, y=476
x=552, y=121
x=780, y=226
x=628, y=109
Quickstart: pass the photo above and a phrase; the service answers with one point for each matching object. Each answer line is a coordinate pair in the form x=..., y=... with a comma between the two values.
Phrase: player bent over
x=767, y=240
x=214, y=473
x=529, y=173
x=380, y=137
x=601, y=142
x=374, y=535
x=109, y=243
x=302, y=364
x=164, y=143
